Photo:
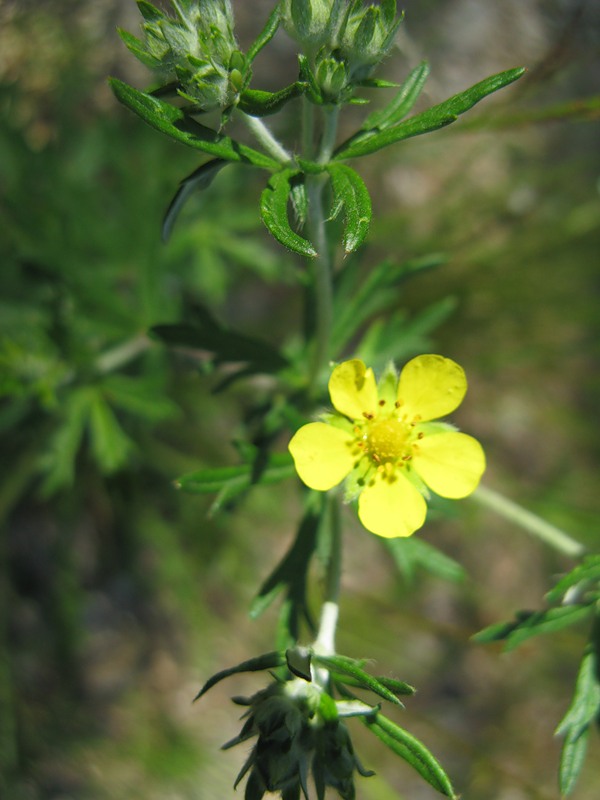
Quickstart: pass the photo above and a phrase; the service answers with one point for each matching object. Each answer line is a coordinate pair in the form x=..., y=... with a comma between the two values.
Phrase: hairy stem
x=529, y=521
x=266, y=139
x=325, y=641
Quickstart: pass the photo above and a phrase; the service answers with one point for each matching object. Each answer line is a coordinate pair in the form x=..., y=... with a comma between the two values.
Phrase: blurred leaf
x=532, y=623
x=411, y=554
x=174, y=122
x=274, y=211
x=266, y=661
x=584, y=709
x=226, y=345
x=291, y=577
x=199, y=180
x=402, y=103
x=412, y=751
x=110, y=445
x=59, y=461
x=350, y=192
x=585, y=576
x=436, y=117
x=142, y=396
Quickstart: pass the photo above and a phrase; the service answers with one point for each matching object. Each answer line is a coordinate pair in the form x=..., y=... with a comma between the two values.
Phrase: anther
x=382, y=403
x=420, y=435
x=367, y=415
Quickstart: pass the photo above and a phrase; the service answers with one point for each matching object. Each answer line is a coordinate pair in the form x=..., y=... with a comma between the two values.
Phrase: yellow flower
x=385, y=443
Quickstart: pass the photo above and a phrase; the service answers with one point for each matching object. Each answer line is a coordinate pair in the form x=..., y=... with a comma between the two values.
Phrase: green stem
x=264, y=136
x=322, y=265
x=122, y=354
x=529, y=521
x=325, y=641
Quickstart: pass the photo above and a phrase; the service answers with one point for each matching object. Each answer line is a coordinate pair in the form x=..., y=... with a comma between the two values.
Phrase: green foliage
x=274, y=211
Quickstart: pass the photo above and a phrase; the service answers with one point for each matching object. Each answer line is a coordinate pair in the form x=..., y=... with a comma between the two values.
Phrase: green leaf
x=350, y=192
x=412, y=751
x=237, y=479
x=343, y=666
x=199, y=180
x=138, y=48
x=265, y=36
x=438, y=116
x=59, y=462
x=572, y=758
x=258, y=103
x=274, y=211
x=585, y=575
x=227, y=346
x=110, y=445
x=532, y=623
x=266, y=661
x=142, y=396
x=402, y=103
x=291, y=577
x=411, y=554
x=176, y=124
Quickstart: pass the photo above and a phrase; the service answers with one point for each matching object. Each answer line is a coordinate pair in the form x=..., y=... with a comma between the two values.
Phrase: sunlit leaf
x=402, y=103
x=274, y=211
x=350, y=192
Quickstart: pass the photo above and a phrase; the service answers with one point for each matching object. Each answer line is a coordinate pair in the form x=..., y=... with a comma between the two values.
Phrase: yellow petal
x=450, y=463
x=353, y=389
x=430, y=387
x=392, y=508
x=322, y=455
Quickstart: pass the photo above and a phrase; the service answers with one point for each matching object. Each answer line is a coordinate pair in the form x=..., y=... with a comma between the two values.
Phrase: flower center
x=387, y=439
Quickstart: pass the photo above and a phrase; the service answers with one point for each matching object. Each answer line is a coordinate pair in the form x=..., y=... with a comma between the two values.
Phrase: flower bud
x=331, y=76
x=367, y=37
x=312, y=23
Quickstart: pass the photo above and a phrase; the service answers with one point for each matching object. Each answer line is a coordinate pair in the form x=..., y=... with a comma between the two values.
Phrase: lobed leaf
x=274, y=212
x=350, y=192
x=178, y=125
x=366, y=142
x=412, y=751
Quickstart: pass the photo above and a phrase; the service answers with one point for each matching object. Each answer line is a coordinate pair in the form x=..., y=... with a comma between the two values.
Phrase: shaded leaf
x=274, y=212
x=110, y=445
x=350, y=192
x=266, y=661
x=532, y=623
x=438, y=116
x=199, y=180
x=178, y=125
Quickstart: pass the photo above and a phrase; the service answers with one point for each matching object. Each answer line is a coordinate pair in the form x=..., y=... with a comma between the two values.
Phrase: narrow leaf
x=434, y=118
x=342, y=666
x=588, y=572
x=532, y=623
x=412, y=751
x=266, y=661
x=237, y=478
x=585, y=705
x=265, y=36
x=274, y=211
x=350, y=191
x=572, y=758
x=175, y=123
x=402, y=103
x=411, y=554
x=199, y=180
x=258, y=103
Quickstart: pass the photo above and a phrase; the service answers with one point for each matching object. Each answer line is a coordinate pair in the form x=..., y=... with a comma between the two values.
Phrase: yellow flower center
x=387, y=440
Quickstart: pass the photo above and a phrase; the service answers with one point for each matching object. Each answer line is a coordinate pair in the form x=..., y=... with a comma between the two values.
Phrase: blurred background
x=118, y=596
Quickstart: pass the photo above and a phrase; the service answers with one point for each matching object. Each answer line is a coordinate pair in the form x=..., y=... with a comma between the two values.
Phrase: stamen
x=367, y=415
x=382, y=403
x=420, y=435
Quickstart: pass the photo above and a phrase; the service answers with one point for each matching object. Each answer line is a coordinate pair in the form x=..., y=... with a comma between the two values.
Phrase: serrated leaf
x=532, y=623
x=176, y=124
x=414, y=752
x=266, y=661
x=274, y=212
x=227, y=346
x=402, y=103
x=438, y=116
x=349, y=191
x=199, y=180
x=343, y=666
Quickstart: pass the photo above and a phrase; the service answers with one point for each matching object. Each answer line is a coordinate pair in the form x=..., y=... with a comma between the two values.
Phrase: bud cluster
x=343, y=40
x=196, y=48
x=299, y=731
